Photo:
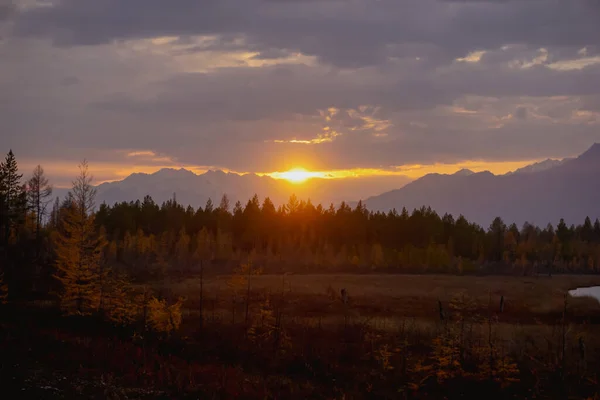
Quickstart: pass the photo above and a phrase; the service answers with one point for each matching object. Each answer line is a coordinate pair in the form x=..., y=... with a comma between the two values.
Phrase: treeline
x=300, y=236
x=145, y=239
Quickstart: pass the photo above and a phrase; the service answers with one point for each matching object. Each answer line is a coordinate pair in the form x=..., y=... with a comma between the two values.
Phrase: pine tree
x=224, y=204
x=209, y=207
x=79, y=250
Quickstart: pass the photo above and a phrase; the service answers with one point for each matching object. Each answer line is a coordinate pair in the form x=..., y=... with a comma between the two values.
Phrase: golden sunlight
x=297, y=175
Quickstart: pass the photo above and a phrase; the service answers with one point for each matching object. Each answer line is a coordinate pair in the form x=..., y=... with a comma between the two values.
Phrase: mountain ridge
x=560, y=191
x=537, y=193
x=195, y=189
x=539, y=166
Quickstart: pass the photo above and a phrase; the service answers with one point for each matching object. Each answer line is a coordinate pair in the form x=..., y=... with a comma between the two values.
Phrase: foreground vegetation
x=142, y=301
x=294, y=337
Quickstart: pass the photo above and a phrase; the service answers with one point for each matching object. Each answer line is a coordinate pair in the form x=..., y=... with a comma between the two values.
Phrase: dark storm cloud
x=275, y=92
x=347, y=33
x=250, y=94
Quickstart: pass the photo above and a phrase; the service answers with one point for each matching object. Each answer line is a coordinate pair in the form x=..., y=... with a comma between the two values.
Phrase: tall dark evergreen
x=13, y=201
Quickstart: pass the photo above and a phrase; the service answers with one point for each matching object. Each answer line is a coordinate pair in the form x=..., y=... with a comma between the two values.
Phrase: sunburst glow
x=297, y=175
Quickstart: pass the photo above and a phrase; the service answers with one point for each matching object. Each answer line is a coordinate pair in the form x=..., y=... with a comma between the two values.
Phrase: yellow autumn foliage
x=119, y=301
x=79, y=250
x=164, y=318
x=240, y=279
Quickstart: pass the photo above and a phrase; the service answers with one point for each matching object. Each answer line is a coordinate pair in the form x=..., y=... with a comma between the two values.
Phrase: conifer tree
x=182, y=249
x=38, y=198
x=377, y=256
x=119, y=299
x=38, y=193
x=209, y=207
x=79, y=249
x=162, y=317
x=224, y=204
x=12, y=196
x=223, y=244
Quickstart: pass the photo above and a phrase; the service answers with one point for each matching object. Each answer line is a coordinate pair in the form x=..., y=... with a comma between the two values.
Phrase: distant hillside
x=538, y=194
x=195, y=190
x=540, y=166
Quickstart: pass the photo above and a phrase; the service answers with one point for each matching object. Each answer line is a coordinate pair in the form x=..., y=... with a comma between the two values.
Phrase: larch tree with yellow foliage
x=120, y=303
x=79, y=250
x=164, y=318
x=240, y=281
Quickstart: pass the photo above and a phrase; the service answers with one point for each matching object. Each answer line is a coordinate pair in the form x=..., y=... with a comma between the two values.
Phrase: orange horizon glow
x=110, y=172
x=301, y=175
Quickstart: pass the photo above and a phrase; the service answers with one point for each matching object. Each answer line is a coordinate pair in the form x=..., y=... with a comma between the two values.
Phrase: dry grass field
x=526, y=299
x=296, y=339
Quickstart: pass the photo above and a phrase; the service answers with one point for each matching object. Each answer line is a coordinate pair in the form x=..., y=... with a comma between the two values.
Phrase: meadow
x=399, y=297
x=406, y=335
x=292, y=337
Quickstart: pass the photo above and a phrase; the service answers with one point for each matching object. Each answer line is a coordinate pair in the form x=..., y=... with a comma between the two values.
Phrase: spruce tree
x=12, y=197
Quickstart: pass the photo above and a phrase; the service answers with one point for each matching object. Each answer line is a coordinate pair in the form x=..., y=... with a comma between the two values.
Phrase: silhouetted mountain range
x=539, y=166
x=540, y=193
x=192, y=189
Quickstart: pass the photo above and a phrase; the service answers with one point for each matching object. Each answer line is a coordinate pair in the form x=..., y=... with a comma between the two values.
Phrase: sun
x=297, y=175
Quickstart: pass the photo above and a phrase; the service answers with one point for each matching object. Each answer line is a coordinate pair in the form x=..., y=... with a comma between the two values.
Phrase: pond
x=593, y=292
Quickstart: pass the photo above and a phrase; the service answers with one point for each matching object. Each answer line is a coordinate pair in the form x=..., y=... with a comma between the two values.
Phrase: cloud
x=345, y=33
x=262, y=86
x=70, y=80
x=7, y=9
x=141, y=153
x=521, y=113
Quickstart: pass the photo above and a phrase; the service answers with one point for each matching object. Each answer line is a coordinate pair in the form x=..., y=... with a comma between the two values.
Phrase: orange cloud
x=143, y=153
x=326, y=137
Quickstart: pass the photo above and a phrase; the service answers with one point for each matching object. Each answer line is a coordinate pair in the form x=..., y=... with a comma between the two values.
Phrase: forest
x=146, y=240
x=98, y=284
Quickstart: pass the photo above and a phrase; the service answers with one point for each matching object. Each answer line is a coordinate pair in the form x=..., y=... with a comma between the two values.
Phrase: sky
x=343, y=87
